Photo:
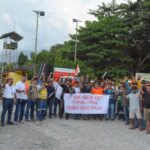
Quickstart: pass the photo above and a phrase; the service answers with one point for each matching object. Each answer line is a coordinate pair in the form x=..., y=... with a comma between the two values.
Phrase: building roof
x=13, y=35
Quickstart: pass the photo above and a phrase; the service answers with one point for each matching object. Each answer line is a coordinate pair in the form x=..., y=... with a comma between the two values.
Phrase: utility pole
x=38, y=13
x=76, y=39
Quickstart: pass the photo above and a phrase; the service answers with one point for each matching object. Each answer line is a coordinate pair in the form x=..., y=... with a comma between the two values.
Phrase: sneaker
x=55, y=116
x=2, y=124
x=39, y=123
x=140, y=129
x=10, y=123
x=22, y=122
x=27, y=120
x=147, y=132
x=33, y=120
x=132, y=128
x=15, y=123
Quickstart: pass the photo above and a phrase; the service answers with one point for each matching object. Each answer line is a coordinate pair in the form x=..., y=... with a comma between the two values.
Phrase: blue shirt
x=112, y=94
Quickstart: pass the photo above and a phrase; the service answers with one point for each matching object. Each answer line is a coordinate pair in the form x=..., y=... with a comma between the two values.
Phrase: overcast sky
x=54, y=27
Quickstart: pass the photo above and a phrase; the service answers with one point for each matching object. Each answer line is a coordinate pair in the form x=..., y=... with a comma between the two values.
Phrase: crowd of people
x=129, y=100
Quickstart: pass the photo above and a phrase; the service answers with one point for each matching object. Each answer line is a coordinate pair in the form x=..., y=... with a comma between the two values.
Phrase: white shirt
x=55, y=84
x=77, y=90
x=134, y=101
x=59, y=91
x=9, y=91
x=21, y=86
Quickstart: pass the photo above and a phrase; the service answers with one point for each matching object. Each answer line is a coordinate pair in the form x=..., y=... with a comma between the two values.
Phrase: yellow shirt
x=43, y=94
x=139, y=84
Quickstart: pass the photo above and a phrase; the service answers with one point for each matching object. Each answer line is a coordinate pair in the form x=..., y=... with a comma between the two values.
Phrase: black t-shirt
x=50, y=90
x=86, y=89
x=146, y=97
x=67, y=89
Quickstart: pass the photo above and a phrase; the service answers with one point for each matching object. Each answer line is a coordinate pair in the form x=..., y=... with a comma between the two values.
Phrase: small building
x=9, y=54
x=16, y=74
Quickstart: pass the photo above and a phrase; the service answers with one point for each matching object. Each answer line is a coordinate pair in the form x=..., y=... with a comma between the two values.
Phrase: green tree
x=136, y=16
x=22, y=59
x=118, y=41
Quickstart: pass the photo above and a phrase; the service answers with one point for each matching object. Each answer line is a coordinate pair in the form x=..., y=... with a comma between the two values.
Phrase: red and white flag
x=77, y=70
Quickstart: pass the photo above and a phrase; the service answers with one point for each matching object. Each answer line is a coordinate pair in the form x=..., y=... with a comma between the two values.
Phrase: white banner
x=144, y=76
x=80, y=103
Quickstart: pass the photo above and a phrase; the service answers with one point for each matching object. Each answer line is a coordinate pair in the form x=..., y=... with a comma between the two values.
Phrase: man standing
x=125, y=104
x=77, y=89
x=111, y=109
x=134, y=107
x=67, y=88
x=8, y=101
x=50, y=96
x=58, y=99
x=86, y=88
x=42, y=103
x=96, y=89
x=33, y=95
x=146, y=96
x=21, y=93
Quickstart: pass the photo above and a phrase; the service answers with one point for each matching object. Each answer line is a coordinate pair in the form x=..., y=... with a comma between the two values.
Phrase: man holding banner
x=86, y=103
x=97, y=90
x=67, y=89
x=80, y=103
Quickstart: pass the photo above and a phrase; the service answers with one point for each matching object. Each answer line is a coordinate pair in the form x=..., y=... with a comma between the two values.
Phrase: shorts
x=146, y=114
x=136, y=113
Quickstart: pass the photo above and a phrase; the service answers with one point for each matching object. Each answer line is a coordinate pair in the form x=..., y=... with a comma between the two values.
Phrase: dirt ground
x=56, y=134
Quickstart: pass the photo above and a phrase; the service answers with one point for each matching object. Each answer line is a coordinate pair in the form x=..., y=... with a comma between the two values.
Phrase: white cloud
x=54, y=27
x=7, y=18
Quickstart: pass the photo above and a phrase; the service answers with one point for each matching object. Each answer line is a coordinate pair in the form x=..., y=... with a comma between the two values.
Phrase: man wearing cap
x=8, y=101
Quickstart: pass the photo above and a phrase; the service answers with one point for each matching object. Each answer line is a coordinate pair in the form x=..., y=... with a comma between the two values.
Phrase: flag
x=103, y=76
x=77, y=70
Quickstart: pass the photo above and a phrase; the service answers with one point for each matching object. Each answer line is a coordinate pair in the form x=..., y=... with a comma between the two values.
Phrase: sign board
x=80, y=103
x=144, y=76
x=60, y=72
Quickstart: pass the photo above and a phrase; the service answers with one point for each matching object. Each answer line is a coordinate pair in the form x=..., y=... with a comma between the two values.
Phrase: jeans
x=61, y=108
x=20, y=108
x=7, y=106
x=50, y=103
x=143, y=121
x=111, y=111
x=76, y=116
x=30, y=108
x=41, y=112
x=56, y=102
x=126, y=114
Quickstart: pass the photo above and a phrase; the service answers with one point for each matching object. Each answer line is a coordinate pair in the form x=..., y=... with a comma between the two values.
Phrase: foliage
x=22, y=59
x=118, y=41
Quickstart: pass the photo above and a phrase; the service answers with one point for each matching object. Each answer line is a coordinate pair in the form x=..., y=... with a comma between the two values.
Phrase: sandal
x=147, y=132
x=132, y=128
